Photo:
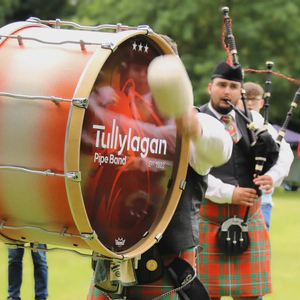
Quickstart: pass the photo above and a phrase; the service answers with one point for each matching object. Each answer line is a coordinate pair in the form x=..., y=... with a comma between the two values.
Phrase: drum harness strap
x=188, y=280
x=182, y=275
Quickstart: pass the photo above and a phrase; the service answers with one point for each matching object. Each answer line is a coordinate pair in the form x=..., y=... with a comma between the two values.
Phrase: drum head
x=128, y=151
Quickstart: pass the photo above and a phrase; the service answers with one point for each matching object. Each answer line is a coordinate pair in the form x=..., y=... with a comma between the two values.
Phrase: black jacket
x=182, y=232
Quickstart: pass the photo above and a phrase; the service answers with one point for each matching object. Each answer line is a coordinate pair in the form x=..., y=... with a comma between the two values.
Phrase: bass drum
x=86, y=160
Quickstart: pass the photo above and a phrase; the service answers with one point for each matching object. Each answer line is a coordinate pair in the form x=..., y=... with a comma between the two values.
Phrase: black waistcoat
x=239, y=169
x=182, y=232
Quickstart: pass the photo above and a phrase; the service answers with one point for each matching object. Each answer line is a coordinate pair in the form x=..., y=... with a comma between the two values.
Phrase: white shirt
x=221, y=192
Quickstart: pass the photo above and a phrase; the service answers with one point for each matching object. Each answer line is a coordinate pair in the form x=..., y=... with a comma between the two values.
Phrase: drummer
x=210, y=145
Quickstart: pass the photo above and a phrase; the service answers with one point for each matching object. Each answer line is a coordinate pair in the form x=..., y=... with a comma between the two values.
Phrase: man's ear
x=209, y=88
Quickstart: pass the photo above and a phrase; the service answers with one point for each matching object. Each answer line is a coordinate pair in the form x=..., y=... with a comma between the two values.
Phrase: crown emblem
x=120, y=242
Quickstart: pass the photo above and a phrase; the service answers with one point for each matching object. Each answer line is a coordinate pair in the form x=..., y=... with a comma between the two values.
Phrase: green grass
x=285, y=243
x=70, y=274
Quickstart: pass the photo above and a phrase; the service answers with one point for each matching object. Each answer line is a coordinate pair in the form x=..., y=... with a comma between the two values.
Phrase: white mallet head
x=170, y=84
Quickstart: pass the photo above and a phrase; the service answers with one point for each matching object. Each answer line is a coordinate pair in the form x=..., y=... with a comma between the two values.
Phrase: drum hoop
x=72, y=155
x=167, y=211
x=72, y=147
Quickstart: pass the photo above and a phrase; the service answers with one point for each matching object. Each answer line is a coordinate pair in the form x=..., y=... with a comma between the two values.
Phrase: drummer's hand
x=104, y=95
x=265, y=182
x=189, y=124
x=244, y=196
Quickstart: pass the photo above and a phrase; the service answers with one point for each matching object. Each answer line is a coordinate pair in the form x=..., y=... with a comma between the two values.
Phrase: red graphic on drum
x=130, y=157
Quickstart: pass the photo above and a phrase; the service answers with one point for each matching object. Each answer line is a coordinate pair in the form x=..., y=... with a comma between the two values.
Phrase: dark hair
x=172, y=44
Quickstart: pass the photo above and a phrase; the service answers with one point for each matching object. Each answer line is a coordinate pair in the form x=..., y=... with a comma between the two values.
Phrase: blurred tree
x=20, y=10
x=7, y=8
x=263, y=30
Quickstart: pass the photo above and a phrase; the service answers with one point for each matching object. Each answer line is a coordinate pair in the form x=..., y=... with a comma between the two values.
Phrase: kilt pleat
x=248, y=274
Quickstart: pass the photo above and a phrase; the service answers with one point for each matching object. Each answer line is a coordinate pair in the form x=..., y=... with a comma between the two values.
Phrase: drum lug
x=75, y=176
x=182, y=185
x=80, y=102
x=34, y=20
x=109, y=46
x=158, y=237
x=35, y=247
x=89, y=235
x=147, y=28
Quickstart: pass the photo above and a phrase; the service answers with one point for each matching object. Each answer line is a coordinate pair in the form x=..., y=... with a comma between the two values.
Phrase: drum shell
x=38, y=134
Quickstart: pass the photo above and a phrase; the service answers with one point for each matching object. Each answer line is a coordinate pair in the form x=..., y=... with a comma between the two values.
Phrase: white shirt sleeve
x=213, y=148
x=218, y=191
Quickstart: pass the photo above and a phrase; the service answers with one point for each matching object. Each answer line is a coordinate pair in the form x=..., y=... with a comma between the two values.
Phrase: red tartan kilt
x=149, y=291
x=218, y=213
x=248, y=274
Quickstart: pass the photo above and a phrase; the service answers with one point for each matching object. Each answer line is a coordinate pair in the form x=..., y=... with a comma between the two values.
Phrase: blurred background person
x=15, y=272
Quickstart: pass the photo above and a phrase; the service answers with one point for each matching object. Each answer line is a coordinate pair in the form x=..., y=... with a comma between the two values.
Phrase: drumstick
x=170, y=85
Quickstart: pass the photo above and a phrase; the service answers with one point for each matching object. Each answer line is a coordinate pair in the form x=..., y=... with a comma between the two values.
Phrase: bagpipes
x=264, y=147
x=233, y=238
x=265, y=151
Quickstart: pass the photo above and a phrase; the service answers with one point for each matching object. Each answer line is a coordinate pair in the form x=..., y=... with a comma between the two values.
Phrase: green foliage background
x=263, y=30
